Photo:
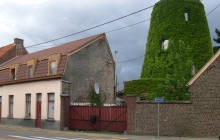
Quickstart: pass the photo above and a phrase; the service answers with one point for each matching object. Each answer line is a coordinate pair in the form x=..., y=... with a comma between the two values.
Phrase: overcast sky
x=37, y=21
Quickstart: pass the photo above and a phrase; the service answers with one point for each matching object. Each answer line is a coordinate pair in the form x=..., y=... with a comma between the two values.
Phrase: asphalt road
x=24, y=133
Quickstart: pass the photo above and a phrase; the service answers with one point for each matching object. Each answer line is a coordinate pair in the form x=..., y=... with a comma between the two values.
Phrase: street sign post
x=158, y=100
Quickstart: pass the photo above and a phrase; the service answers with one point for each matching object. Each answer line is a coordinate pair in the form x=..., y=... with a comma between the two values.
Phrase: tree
x=218, y=34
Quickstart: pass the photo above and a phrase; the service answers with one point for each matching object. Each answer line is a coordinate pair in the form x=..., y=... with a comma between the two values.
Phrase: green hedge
x=145, y=87
x=168, y=22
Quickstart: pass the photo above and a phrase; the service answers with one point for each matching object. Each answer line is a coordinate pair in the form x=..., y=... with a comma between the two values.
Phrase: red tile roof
x=5, y=49
x=65, y=48
x=41, y=70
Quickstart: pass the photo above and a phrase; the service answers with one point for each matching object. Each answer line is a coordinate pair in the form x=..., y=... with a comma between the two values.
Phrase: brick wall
x=8, y=55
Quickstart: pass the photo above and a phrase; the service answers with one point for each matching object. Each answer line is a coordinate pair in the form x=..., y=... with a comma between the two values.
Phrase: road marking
x=43, y=138
x=23, y=137
x=59, y=138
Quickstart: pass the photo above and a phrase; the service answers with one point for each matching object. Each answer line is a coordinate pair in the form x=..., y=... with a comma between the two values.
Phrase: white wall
x=19, y=91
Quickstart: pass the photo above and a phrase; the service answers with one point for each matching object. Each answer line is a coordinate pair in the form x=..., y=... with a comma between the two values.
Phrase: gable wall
x=88, y=66
x=8, y=55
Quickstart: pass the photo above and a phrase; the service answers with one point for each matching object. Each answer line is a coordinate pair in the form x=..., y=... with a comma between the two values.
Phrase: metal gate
x=113, y=118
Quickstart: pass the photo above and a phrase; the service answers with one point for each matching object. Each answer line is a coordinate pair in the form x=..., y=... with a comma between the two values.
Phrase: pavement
x=99, y=135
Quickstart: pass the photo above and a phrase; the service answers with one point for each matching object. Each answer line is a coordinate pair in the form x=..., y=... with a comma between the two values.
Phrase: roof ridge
x=69, y=42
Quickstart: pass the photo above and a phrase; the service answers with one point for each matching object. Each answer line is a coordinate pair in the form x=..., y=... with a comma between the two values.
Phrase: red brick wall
x=176, y=119
x=8, y=55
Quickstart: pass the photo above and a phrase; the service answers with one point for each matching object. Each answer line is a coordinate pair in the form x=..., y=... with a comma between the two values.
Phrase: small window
x=50, y=105
x=52, y=67
x=186, y=16
x=13, y=74
x=28, y=105
x=11, y=102
x=164, y=44
x=30, y=71
x=193, y=69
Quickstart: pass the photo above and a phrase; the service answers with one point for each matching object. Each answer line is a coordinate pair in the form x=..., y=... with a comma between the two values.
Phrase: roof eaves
x=32, y=79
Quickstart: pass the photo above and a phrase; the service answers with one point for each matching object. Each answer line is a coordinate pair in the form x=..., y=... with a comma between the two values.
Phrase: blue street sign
x=159, y=100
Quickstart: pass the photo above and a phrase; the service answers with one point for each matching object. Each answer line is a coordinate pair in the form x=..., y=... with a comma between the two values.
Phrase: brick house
x=36, y=89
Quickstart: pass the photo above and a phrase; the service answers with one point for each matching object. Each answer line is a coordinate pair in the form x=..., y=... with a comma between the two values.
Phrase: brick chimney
x=19, y=44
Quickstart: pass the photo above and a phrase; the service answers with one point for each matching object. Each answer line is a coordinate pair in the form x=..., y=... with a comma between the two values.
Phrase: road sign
x=159, y=100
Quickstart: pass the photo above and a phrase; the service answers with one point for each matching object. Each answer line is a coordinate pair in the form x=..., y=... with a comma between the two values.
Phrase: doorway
x=38, y=110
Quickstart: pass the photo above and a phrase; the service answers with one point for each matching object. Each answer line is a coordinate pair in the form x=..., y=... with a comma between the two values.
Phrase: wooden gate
x=112, y=118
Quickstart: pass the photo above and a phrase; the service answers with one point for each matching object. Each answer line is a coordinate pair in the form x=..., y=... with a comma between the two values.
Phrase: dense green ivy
x=168, y=22
x=144, y=87
x=173, y=86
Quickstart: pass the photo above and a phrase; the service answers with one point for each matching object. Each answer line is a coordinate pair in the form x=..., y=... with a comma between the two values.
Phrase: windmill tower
x=172, y=21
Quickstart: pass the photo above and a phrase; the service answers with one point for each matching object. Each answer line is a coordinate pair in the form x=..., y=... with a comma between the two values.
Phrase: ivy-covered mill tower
x=173, y=21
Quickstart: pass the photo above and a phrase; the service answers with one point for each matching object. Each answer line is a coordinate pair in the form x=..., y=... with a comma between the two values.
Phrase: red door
x=38, y=111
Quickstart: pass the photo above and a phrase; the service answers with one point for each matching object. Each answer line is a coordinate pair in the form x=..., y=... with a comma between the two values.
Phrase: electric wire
x=213, y=9
x=131, y=59
x=92, y=27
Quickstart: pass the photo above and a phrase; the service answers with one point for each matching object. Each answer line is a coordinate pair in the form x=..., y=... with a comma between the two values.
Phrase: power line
x=92, y=27
x=213, y=9
x=131, y=59
x=128, y=26
x=105, y=32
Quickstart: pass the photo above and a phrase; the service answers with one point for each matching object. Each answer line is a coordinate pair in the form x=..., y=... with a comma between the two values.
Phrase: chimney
x=19, y=46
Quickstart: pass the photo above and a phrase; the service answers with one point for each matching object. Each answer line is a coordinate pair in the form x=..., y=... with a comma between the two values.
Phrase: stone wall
x=176, y=119
x=92, y=64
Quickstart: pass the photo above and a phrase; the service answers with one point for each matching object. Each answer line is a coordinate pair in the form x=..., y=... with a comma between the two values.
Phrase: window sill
x=10, y=117
x=27, y=118
x=50, y=120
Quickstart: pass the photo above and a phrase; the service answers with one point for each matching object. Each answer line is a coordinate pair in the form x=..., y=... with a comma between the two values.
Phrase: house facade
x=37, y=88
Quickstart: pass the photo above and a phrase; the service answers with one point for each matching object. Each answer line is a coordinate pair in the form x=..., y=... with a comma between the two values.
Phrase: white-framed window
x=28, y=106
x=51, y=105
x=11, y=102
x=52, y=67
x=164, y=44
x=30, y=71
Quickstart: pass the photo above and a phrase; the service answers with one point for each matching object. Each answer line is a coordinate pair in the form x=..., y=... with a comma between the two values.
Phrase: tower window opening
x=164, y=44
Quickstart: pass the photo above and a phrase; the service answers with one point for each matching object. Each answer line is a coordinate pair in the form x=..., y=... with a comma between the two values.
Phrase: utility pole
x=115, y=72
